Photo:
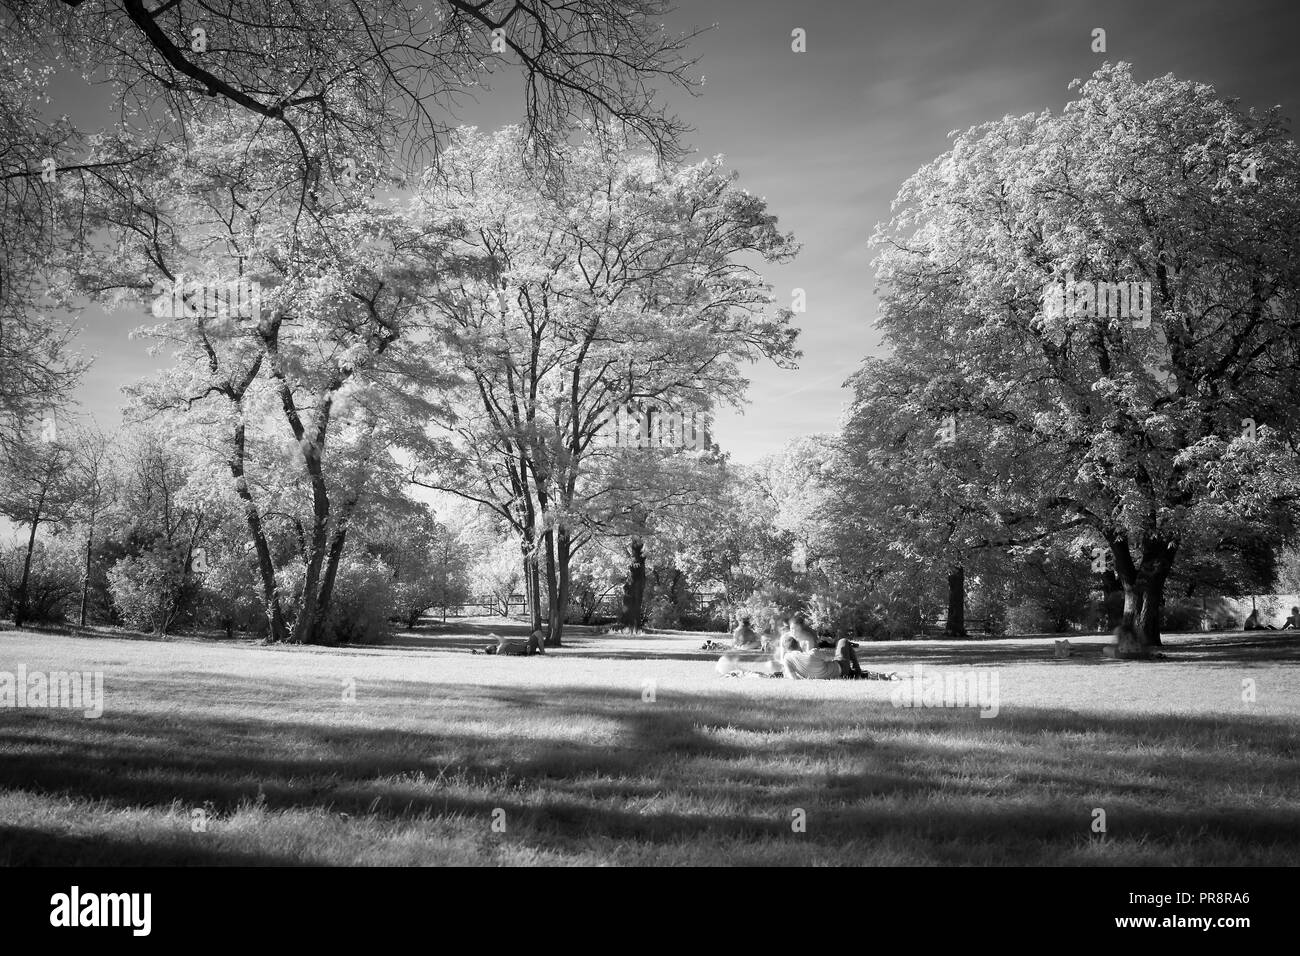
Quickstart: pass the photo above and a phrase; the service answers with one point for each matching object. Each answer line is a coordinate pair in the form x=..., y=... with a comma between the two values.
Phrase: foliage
x=53, y=585
x=1029, y=617
x=1067, y=419
x=364, y=601
x=154, y=591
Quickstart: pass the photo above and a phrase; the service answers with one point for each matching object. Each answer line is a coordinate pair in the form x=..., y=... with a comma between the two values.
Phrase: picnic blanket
x=866, y=675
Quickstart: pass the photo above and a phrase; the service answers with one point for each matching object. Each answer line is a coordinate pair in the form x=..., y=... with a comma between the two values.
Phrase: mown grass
x=634, y=751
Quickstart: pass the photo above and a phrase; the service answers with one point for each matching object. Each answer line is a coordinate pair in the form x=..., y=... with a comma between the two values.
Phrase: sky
x=828, y=136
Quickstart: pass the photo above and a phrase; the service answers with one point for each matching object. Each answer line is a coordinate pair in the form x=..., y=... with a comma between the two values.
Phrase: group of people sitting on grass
x=1252, y=622
x=797, y=651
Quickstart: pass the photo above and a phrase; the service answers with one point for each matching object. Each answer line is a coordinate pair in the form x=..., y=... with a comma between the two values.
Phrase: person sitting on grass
x=507, y=648
x=1292, y=622
x=1252, y=623
x=805, y=635
x=770, y=639
x=745, y=638
x=820, y=663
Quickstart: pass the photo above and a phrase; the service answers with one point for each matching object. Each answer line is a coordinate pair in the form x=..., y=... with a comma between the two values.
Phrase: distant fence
x=698, y=604
x=483, y=606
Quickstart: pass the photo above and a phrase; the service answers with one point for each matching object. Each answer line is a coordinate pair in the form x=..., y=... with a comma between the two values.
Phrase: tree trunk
x=956, y=625
x=277, y=627
x=634, y=586
x=1110, y=587
x=85, y=578
x=20, y=606
x=1142, y=603
x=557, y=558
x=552, y=587
x=305, y=626
x=532, y=583
x=564, y=558
x=318, y=635
x=1144, y=589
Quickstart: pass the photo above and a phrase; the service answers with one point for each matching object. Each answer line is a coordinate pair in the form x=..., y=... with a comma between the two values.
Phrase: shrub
x=362, y=603
x=663, y=612
x=1029, y=617
x=232, y=596
x=412, y=598
x=53, y=585
x=770, y=603
x=842, y=614
x=152, y=591
x=1181, y=616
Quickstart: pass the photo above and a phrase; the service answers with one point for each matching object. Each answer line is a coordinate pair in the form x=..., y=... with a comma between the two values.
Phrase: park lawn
x=635, y=751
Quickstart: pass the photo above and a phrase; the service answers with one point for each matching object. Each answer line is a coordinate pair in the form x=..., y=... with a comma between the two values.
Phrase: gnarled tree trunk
x=1143, y=580
x=634, y=586
x=956, y=625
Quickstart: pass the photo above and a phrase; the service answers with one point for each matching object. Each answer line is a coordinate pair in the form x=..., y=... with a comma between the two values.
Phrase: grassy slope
x=587, y=771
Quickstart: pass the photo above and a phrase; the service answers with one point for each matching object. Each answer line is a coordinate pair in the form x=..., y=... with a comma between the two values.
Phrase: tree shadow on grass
x=688, y=766
x=34, y=846
x=1226, y=648
x=1239, y=648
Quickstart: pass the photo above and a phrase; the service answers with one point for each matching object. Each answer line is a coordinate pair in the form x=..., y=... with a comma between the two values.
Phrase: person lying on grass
x=508, y=648
x=820, y=663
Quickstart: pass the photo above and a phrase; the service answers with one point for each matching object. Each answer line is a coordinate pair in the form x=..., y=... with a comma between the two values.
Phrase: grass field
x=635, y=751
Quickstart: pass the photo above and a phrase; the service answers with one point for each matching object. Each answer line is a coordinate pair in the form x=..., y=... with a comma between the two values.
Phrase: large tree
x=298, y=67
x=623, y=287
x=294, y=328
x=386, y=73
x=1136, y=418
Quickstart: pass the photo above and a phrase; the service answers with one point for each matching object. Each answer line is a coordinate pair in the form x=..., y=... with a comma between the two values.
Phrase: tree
x=426, y=562
x=294, y=70
x=94, y=478
x=1167, y=206
x=736, y=544
x=947, y=501
x=496, y=571
x=154, y=585
x=37, y=366
x=624, y=286
x=36, y=489
x=46, y=580
x=293, y=334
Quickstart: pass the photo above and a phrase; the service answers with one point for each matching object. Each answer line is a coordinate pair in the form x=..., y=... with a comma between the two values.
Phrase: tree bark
x=85, y=578
x=278, y=628
x=305, y=627
x=1110, y=586
x=532, y=583
x=634, y=586
x=552, y=585
x=1144, y=587
x=956, y=624
x=339, y=538
x=20, y=606
x=557, y=555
